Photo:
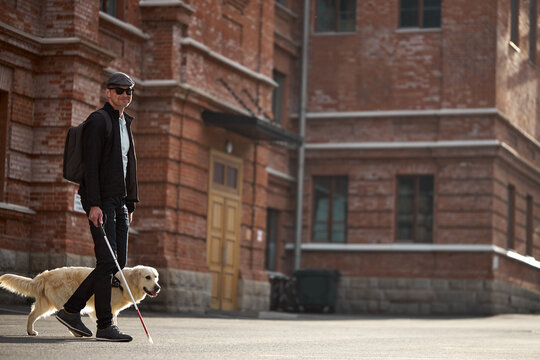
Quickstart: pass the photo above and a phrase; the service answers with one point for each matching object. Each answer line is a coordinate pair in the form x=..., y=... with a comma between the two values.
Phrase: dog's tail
x=19, y=285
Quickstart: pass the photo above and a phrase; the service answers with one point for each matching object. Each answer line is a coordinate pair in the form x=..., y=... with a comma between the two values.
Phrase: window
x=282, y=2
x=277, y=96
x=529, y=226
x=115, y=8
x=3, y=137
x=514, y=22
x=330, y=209
x=511, y=217
x=420, y=13
x=335, y=16
x=533, y=20
x=108, y=6
x=414, y=208
x=225, y=175
x=271, y=239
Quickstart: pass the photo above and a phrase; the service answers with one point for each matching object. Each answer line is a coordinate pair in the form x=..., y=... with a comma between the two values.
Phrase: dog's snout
x=157, y=288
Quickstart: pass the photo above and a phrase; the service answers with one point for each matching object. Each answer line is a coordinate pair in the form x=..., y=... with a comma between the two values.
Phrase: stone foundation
x=433, y=297
x=31, y=264
x=181, y=291
x=188, y=291
x=253, y=295
x=25, y=264
x=13, y=262
x=16, y=262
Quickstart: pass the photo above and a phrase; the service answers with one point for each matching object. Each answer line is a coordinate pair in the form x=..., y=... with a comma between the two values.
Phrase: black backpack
x=73, y=169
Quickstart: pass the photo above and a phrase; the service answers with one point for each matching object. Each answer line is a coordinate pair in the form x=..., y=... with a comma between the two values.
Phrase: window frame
x=336, y=30
x=120, y=10
x=420, y=23
x=415, y=214
x=511, y=217
x=4, y=126
x=533, y=25
x=330, y=215
x=222, y=183
x=514, y=22
x=12, y=4
x=278, y=96
x=272, y=231
x=529, y=225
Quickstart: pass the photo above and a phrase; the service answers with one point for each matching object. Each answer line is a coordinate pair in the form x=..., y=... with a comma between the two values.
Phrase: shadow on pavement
x=36, y=340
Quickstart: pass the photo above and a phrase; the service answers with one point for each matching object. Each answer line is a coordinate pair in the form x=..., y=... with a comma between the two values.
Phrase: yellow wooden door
x=223, y=237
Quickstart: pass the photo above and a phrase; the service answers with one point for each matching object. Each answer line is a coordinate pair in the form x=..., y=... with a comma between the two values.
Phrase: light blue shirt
x=124, y=141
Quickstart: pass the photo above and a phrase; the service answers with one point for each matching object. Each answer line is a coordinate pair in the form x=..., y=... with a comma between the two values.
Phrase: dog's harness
x=116, y=283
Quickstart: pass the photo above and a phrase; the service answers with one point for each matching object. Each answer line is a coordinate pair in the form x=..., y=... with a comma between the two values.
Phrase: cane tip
x=150, y=341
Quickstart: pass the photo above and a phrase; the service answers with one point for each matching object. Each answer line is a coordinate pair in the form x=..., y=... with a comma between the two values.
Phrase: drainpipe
x=301, y=148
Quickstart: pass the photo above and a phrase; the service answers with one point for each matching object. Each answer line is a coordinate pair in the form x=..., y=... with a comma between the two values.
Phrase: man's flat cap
x=120, y=79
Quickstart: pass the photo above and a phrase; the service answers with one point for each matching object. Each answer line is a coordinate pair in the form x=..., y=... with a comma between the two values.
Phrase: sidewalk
x=273, y=335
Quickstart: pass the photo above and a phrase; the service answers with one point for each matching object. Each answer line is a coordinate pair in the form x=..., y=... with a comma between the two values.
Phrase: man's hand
x=96, y=215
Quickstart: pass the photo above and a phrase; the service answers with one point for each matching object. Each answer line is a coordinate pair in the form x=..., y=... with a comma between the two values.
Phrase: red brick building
x=423, y=135
x=421, y=160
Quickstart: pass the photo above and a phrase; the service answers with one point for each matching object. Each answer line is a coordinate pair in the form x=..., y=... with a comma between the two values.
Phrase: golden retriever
x=52, y=288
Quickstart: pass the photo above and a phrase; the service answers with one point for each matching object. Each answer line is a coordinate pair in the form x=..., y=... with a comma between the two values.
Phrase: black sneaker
x=111, y=333
x=73, y=322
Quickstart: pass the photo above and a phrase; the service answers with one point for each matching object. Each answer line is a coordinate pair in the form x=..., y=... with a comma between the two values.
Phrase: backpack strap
x=108, y=121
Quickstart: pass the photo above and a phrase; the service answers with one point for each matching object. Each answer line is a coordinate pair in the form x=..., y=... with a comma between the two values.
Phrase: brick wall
x=516, y=92
x=22, y=14
x=383, y=67
x=467, y=64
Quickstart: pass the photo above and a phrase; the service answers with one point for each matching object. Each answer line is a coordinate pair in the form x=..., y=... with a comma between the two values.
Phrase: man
x=108, y=195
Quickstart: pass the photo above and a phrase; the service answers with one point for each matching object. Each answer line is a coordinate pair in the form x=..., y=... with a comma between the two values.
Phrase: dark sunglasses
x=120, y=91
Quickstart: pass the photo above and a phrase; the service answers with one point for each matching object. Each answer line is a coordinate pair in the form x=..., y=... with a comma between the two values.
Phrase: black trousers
x=98, y=282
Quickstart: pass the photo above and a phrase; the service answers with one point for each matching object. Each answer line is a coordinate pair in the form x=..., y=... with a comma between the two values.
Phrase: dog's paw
x=32, y=332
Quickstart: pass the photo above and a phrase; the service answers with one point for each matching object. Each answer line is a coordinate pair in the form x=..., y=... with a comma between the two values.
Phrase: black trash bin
x=281, y=292
x=316, y=289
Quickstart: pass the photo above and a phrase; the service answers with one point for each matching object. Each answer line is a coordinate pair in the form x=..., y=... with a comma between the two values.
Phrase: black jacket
x=102, y=158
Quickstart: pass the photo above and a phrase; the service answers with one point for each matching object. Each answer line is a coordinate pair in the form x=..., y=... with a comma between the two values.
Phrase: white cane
x=125, y=282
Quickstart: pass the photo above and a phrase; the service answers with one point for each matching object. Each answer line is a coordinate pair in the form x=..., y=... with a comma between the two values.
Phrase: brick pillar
x=158, y=134
x=67, y=87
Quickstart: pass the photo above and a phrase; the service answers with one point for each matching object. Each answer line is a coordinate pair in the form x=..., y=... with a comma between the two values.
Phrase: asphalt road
x=280, y=336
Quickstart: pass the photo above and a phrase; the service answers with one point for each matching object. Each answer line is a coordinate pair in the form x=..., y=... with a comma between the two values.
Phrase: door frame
x=228, y=193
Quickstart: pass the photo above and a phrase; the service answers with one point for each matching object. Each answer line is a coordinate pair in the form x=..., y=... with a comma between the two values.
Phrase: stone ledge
x=253, y=295
x=433, y=297
x=182, y=291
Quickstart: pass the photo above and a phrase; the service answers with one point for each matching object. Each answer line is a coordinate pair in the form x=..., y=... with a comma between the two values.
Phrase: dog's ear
x=128, y=274
x=135, y=276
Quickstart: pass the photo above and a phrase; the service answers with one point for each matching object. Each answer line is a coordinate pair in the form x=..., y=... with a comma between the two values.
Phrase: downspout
x=301, y=147
x=255, y=142
x=259, y=45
